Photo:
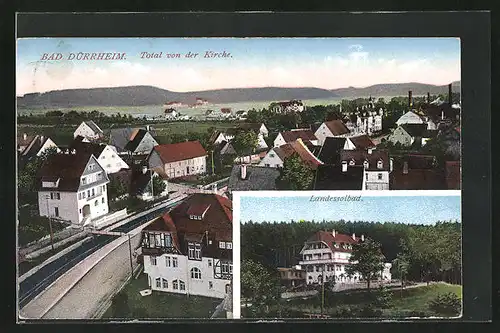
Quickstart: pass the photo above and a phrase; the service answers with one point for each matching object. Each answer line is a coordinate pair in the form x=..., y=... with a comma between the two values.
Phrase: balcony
x=323, y=261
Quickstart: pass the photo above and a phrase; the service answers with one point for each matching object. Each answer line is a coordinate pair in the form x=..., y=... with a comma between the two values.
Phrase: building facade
x=331, y=129
x=89, y=130
x=179, y=159
x=189, y=249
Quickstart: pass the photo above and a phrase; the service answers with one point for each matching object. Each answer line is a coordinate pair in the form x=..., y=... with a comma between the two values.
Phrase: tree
x=448, y=304
x=158, y=185
x=367, y=260
x=295, y=175
x=400, y=267
x=116, y=188
x=245, y=142
x=259, y=286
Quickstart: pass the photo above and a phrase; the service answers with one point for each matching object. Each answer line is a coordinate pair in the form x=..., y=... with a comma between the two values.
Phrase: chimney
x=25, y=136
x=147, y=128
x=410, y=100
x=362, y=238
x=442, y=114
x=41, y=138
x=405, y=168
x=344, y=166
x=391, y=164
x=334, y=233
x=370, y=150
x=353, y=236
x=450, y=94
x=428, y=98
x=243, y=171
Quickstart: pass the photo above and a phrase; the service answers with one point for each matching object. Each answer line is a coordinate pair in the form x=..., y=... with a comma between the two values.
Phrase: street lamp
x=144, y=170
x=50, y=222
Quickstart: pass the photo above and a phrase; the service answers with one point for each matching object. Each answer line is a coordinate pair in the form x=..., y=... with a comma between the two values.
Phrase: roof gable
x=336, y=127
x=180, y=151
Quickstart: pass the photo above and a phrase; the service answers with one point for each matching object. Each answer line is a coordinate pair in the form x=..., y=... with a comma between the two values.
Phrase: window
x=197, y=251
x=158, y=283
x=167, y=261
x=88, y=193
x=91, y=166
x=210, y=285
x=182, y=285
x=80, y=210
x=366, y=176
x=96, y=203
x=190, y=250
x=102, y=200
x=165, y=283
x=51, y=195
x=352, y=163
x=366, y=165
x=194, y=251
x=380, y=164
x=209, y=263
x=222, y=245
x=195, y=273
x=174, y=262
x=230, y=268
x=229, y=245
x=84, y=180
x=175, y=284
x=56, y=211
x=379, y=176
x=58, y=196
x=153, y=260
x=225, y=267
x=93, y=192
x=104, y=188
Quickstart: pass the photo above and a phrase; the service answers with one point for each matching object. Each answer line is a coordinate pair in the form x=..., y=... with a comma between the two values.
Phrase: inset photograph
x=348, y=255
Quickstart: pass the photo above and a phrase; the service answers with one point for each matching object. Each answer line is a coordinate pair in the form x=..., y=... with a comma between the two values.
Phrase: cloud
x=356, y=47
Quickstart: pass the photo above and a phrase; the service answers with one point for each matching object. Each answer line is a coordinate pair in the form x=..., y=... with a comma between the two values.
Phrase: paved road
x=39, y=281
x=84, y=299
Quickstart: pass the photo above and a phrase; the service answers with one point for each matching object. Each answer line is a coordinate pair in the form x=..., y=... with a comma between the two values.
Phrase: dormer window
x=366, y=164
x=84, y=180
x=91, y=167
x=352, y=162
x=222, y=245
x=380, y=164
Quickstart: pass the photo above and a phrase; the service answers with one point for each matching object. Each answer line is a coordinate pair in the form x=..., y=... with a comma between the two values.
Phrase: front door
x=86, y=211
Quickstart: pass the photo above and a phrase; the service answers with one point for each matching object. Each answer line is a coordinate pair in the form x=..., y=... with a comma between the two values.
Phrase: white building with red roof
x=179, y=159
x=327, y=254
x=332, y=129
x=189, y=250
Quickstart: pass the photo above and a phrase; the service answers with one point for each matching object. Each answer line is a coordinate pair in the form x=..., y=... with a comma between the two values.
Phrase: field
x=162, y=304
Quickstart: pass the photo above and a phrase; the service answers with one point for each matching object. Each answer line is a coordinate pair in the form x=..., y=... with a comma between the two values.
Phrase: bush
x=448, y=304
x=382, y=298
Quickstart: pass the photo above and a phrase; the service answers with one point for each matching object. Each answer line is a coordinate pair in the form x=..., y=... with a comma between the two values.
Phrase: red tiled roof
x=225, y=110
x=198, y=209
x=304, y=134
x=362, y=142
x=180, y=151
x=337, y=127
x=298, y=147
x=329, y=239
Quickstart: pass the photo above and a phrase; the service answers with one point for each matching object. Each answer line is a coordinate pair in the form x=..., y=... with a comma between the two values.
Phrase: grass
x=411, y=302
x=161, y=305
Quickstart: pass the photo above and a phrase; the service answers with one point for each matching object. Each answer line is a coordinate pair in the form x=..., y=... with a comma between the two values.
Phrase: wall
x=400, y=135
x=183, y=272
x=110, y=161
x=85, y=131
x=373, y=183
x=67, y=205
x=196, y=166
x=146, y=145
x=279, y=141
x=272, y=159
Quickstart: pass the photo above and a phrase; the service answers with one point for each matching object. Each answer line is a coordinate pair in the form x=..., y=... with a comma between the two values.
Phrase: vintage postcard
x=349, y=255
x=129, y=152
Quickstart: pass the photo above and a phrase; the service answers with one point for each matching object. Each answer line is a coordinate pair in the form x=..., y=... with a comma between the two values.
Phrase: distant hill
x=396, y=89
x=148, y=95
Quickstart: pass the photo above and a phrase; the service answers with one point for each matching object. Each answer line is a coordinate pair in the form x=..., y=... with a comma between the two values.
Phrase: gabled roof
x=330, y=152
x=66, y=167
x=304, y=134
x=337, y=127
x=120, y=137
x=298, y=147
x=180, y=151
x=331, y=177
x=217, y=221
x=415, y=130
x=93, y=126
x=135, y=139
x=359, y=156
x=328, y=238
x=258, y=179
x=362, y=142
x=21, y=142
x=34, y=146
x=86, y=147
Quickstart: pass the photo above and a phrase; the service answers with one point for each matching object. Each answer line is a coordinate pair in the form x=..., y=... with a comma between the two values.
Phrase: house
x=359, y=142
x=248, y=156
x=365, y=120
x=276, y=156
x=89, y=130
x=72, y=187
x=189, y=249
x=453, y=175
x=106, y=155
x=252, y=178
x=201, y=101
x=376, y=163
x=333, y=129
x=226, y=112
x=305, y=134
x=133, y=141
x=171, y=114
x=409, y=134
x=23, y=141
x=241, y=114
x=326, y=254
x=179, y=159
x=173, y=104
x=293, y=105
x=38, y=145
x=291, y=277
x=339, y=177
x=417, y=172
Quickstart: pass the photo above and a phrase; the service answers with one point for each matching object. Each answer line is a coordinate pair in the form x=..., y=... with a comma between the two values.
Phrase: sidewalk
x=48, y=299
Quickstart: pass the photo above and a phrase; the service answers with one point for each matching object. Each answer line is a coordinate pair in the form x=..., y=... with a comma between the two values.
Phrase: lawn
x=412, y=302
x=161, y=305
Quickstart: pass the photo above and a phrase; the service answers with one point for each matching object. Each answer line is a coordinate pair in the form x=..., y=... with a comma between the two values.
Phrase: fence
x=109, y=219
x=45, y=241
x=308, y=293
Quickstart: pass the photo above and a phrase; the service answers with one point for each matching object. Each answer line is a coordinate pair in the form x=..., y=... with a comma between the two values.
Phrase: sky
x=401, y=209
x=327, y=63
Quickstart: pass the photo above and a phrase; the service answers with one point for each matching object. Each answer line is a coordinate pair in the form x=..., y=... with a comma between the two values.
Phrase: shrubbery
x=448, y=304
